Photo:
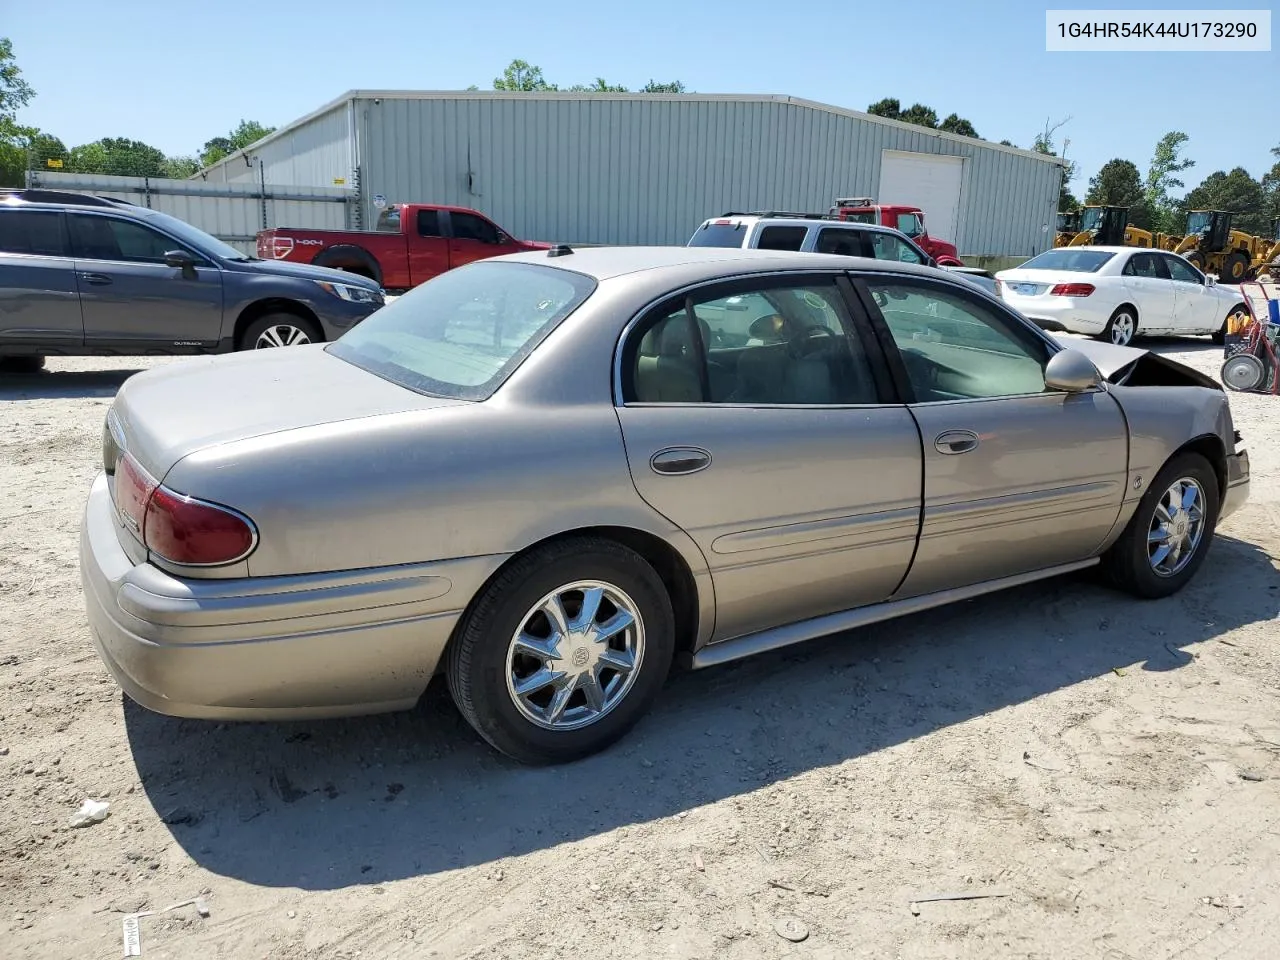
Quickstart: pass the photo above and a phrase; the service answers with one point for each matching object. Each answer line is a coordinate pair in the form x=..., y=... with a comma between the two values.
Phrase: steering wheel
x=811, y=339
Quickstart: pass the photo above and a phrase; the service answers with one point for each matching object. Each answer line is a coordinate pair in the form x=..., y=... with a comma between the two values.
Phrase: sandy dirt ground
x=1112, y=767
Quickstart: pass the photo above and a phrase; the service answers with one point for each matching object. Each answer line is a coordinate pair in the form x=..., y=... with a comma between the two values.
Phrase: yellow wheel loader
x=1266, y=257
x=1214, y=247
x=1100, y=226
x=1068, y=227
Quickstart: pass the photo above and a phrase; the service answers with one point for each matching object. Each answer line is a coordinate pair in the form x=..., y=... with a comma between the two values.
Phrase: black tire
x=476, y=662
x=1234, y=269
x=1195, y=258
x=1127, y=563
x=1109, y=331
x=351, y=259
x=27, y=363
x=256, y=332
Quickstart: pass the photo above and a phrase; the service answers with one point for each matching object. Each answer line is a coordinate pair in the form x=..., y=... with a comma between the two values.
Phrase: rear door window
x=389, y=221
x=782, y=238
x=37, y=233
x=429, y=223
x=841, y=241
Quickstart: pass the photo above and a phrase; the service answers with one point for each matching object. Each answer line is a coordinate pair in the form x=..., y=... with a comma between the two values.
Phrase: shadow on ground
x=62, y=385
x=1178, y=345
x=327, y=805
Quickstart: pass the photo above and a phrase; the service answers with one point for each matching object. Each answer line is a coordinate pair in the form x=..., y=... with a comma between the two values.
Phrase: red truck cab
x=904, y=219
x=410, y=244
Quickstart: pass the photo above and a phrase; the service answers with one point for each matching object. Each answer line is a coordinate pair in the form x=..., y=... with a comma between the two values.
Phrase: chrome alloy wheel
x=281, y=335
x=575, y=656
x=1122, y=328
x=1176, y=527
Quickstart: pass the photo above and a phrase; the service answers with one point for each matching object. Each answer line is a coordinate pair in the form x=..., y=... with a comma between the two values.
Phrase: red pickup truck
x=412, y=243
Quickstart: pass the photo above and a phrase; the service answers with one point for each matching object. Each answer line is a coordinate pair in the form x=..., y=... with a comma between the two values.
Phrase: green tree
x=957, y=124
x=15, y=93
x=600, y=86
x=117, y=157
x=242, y=137
x=675, y=86
x=1162, y=177
x=1118, y=184
x=523, y=76
x=180, y=168
x=1044, y=143
x=1270, y=183
x=1236, y=192
x=889, y=108
x=920, y=115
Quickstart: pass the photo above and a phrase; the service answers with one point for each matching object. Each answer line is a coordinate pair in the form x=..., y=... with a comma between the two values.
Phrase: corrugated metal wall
x=649, y=170
x=315, y=154
x=232, y=212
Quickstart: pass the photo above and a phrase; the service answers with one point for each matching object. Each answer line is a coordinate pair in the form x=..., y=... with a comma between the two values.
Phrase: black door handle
x=97, y=279
x=956, y=441
x=677, y=460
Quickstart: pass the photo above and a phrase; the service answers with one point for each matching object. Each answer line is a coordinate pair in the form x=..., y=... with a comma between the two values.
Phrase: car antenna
x=560, y=250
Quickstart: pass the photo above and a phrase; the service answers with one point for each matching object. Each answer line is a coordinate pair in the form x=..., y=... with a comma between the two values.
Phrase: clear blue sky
x=175, y=75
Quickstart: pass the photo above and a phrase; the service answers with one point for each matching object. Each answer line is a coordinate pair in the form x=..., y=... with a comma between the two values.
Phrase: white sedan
x=1117, y=293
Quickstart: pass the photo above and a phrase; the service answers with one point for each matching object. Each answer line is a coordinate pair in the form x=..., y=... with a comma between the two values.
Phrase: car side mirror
x=1210, y=281
x=1072, y=372
x=183, y=261
x=931, y=262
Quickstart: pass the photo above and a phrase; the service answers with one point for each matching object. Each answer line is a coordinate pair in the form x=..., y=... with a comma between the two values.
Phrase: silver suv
x=816, y=233
x=808, y=233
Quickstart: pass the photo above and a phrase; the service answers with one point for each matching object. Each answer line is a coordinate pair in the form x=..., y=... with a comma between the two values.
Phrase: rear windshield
x=388, y=221
x=462, y=334
x=1064, y=258
x=719, y=235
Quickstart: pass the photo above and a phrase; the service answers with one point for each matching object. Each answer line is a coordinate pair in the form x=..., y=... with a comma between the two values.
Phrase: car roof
x=1111, y=249
x=602, y=263
x=792, y=219
x=59, y=199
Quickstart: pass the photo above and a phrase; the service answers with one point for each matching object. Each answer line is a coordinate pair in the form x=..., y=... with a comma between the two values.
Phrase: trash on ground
x=981, y=894
x=133, y=928
x=90, y=812
x=789, y=928
x=1252, y=776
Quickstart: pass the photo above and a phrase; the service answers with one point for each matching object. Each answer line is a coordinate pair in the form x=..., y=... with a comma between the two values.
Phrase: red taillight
x=281, y=247
x=178, y=528
x=133, y=490
x=188, y=531
x=1071, y=290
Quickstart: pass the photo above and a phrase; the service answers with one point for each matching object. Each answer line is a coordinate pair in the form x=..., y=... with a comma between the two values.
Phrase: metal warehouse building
x=648, y=168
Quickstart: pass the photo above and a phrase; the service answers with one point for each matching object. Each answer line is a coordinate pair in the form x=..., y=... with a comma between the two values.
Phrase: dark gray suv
x=83, y=275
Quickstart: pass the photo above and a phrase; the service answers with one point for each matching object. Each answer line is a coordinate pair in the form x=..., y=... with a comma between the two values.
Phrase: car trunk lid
x=169, y=412
x=1035, y=283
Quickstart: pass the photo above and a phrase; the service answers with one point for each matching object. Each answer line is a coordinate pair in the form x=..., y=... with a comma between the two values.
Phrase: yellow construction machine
x=1107, y=226
x=1098, y=226
x=1266, y=256
x=1214, y=247
x=1068, y=227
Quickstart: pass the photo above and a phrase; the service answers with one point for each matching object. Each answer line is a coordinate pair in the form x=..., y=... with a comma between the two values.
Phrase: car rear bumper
x=270, y=647
x=1237, y=483
x=1057, y=314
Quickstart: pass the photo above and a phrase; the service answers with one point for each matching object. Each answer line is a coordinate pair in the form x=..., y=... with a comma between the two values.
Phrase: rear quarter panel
x=1161, y=421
